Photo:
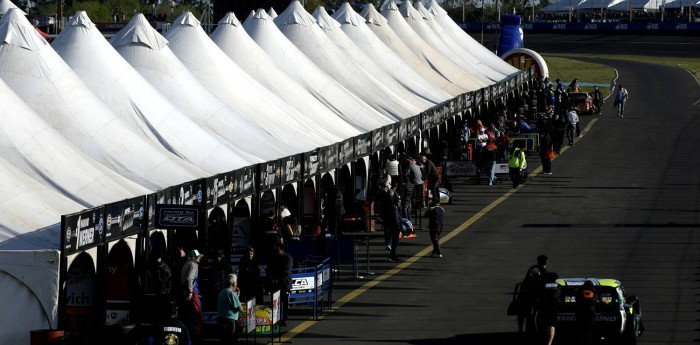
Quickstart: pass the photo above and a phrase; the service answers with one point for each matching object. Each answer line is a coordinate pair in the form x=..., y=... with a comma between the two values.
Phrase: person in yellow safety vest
x=516, y=163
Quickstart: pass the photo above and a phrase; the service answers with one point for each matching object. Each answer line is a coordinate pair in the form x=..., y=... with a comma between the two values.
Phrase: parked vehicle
x=583, y=102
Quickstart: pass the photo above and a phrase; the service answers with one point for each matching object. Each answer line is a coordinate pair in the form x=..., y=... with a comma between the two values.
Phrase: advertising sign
x=403, y=130
x=276, y=307
x=291, y=169
x=363, y=145
x=260, y=320
x=188, y=193
x=378, y=142
x=245, y=181
x=468, y=99
x=151, y=210
x=220, y=189
x=478, y=97
x=328, y=158
x=250, y=309
x=487, y=94
x=311, y=163
x=412, y=128
x=124, y=218
x=83, y=230
x=303, y=283
x=270, y=175
x=179, y=216
x=391, y=134
x=460, y=168
x=346, y=151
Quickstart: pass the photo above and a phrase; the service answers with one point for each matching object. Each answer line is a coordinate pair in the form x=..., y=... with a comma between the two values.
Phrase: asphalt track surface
x=622, y=203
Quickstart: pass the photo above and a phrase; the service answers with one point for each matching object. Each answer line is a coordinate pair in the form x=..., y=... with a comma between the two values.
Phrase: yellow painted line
x=408, y=262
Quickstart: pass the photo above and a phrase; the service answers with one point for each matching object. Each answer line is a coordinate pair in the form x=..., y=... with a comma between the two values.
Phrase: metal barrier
x=309, y=284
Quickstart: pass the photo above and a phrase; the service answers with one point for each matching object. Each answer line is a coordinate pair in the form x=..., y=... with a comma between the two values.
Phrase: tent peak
x=295, y=14
x=139, y=31
x=187, y=19
x=16, y=30
x=347, y=15
x=372, y=16
x=324, y=20
x=81, y=19
x=230, y=19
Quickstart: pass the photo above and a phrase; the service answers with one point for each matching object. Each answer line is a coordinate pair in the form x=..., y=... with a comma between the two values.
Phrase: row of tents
x=618, y=5
x=88, y=121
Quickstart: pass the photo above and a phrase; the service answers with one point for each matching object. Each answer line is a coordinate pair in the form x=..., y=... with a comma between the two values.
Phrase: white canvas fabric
x=434, y=34
x=467, y=42
x=347, y=47
x=130, y=96
x=353, y=25
x=30, y=280
x=679, y=4
x=271, y=12
x=301, y=29
x=625, y=5
x=29, y=144
x=148, y=52
x=232, y=39
x=287, y=56
x=419, y=23
x=44, y=82
x=596, y=5
x=220, y=75
x=379, y=26
x=6, y=5
x=431, y=56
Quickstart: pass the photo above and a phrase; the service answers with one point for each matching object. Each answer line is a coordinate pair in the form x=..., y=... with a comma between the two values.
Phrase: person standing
x=488, y=157
x=546, y=153
x=159, y=280
x=436, y=216
x=571, y=125
x=228, y=309
x=433, y=177
x=598, y=100
x=527, y=296
x=392, y=223
x=170, y=330
x=192, y=305
x=621, y=97
x=586, y=301
x=516, y=164
x=279, y=272
x=249, y=276
x=415, y=180
x=392, y=168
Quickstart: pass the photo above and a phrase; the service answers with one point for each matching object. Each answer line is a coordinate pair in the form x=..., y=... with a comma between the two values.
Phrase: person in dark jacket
x=586, y=300
x=436, y=216
x=279, y=272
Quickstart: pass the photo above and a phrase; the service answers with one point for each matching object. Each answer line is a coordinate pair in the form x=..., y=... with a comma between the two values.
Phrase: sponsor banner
x=501, y=168
x=346, y=152
x=303, y=283
x=426, y=119
x=244, y=184
x=363, y=145
x=220, y=189
x=250, y=309
x=151, y=210
x=487, y=94
x=291, y=169
x=179, y=216
x=412, y=126
x=468, y=99
x=83, y=230
x=460, y=168
x=276, y=306
x=478, y=97
x=270, y=175
x=403, y=130
x=311, y=163
x=124, y=218
x=260, y=321
x=328, y=158
x=188, y=193
x=378, y=142
x=391, y=134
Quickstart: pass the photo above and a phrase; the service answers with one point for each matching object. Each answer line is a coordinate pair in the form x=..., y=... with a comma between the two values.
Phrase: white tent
x=460, y=37
x=419, y=23
x=596, y=5
x=43, y=80
x=379, y=26
x=439, y=62
x=147, y=51
x=332, y=29
x=265, y=33
x=451, y=45
x=130, y=96
x=233, y=40
x=682, y=3
x=354, y=26
x=302, y=30
x=28, y=143
x=271, y=12
x=6, y=5
x=625, y=5
x=562, y=6
x=215, y=71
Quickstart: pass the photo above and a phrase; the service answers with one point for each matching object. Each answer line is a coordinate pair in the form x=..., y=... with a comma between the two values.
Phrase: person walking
x=489, y=155
x=228, y=310
x=527, y=296
x=546, y=153
x=433, y=178
x=586, y=301
x=436, y=217
x=516, y=164
x=548, y=307
x=598, y=100
x=621, y=97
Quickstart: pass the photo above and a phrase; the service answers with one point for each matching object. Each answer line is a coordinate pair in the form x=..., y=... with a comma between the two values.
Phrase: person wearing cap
x=191, y=306
x=169, y=330
x=229, y=308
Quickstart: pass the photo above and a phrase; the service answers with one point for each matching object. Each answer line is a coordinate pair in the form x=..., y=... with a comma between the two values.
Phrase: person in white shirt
x=571, y=123
x=621, y=97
